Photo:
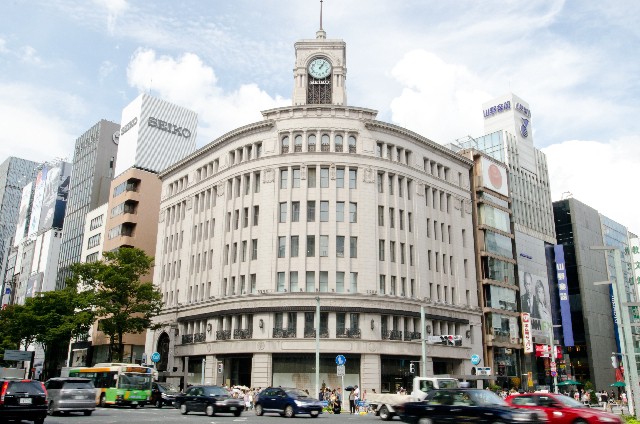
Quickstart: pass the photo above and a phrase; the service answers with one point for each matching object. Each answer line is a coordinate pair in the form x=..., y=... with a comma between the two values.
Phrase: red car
x=561, y=409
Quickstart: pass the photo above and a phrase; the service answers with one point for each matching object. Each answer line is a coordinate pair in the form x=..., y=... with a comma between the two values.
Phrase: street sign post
x=340, y=361
x=340, y=370
x=155, y=357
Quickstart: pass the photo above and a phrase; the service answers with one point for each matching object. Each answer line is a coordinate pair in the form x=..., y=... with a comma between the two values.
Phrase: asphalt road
x=171, y=415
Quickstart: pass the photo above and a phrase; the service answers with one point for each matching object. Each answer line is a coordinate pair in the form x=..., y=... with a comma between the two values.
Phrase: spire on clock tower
x=320, y=70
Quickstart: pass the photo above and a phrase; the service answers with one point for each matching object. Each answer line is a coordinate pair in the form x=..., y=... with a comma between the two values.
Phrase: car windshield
x=465, y=397
x=168, y=387
x=448, y=384
x=297, y=393
x=134, y=381
x=486, y=397
x=216, y=391
x=569, y=402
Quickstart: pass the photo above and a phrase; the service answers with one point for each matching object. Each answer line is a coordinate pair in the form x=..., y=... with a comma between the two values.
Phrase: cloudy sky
x=425, y=65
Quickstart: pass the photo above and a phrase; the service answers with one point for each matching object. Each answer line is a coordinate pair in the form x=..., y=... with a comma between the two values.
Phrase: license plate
x=314, y=412
x=233, y=408
x=134, y=403
x=25, y=401
x=78, y=397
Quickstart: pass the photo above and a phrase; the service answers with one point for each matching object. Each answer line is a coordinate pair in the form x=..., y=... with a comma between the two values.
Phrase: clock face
x=319, y=68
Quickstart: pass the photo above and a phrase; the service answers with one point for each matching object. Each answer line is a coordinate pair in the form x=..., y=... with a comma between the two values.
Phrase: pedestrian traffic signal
x=412, y=368
x=220, y=367
x=614, y=361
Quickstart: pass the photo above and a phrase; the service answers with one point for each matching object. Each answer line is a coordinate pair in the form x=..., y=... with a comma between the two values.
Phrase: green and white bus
x=118, y=384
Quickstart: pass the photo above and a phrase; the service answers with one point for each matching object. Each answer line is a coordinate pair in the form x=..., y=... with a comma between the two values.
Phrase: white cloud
x=439, y=100
x=114, y=9
x=600, y=174
x=30, y=55
x=188, y=82
x=106, y=68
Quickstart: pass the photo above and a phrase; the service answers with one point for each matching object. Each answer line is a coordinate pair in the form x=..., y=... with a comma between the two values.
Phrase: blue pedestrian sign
x=155, y=357
x=341, y=360
x=475, y=359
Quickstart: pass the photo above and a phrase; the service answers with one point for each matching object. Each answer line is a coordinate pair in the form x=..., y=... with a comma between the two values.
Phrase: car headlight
x=524, y=416
x=298, y=403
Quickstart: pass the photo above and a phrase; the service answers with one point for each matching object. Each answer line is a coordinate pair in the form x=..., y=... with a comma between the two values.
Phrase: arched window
x=338, y=143
x=311, y=141
x=298, y=143
x=324, y=141
x=163, y=350
x=352, y=144
x=285, y=144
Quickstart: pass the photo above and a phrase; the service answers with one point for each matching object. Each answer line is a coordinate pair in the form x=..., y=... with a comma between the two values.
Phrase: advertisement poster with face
x=535, y=300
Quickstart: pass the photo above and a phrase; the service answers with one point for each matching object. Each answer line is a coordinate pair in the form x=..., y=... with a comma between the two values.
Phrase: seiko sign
x=499, y=108
x=129, y=125
x=168, y=127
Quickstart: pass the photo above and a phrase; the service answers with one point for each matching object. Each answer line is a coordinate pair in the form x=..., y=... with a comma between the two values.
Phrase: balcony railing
x=352, y=149
x=284, y=333
x=392, y=335
x=223, y=335
x=187, y=338
x=310, y=333
x=242, y=333
x=348, y=333
x=338, y=147
x=297, y=148
x=199, y=337
x=412, y=335
x=285, y=149
x=311, y=147
x=325, y=147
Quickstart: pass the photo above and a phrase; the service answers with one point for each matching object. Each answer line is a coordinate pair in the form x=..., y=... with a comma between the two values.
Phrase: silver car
x=70, y=394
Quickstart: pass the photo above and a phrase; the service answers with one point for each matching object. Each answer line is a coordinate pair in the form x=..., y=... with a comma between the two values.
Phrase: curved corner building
x=317, y=204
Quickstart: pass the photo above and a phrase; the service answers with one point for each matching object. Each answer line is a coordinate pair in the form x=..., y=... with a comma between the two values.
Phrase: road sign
x=475, y=359
x=18, y=355
x=553, y=373
x=340, y=370
x=155, y=357
x=341, y=360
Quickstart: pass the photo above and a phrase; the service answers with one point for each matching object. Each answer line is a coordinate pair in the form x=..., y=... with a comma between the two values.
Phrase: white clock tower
x=320, y=71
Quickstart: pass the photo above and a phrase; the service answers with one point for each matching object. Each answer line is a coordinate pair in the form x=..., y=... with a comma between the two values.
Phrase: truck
x=383, y=404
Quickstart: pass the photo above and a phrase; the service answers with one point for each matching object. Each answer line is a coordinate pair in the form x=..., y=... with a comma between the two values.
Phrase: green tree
x=123, y=303
x=15, y=330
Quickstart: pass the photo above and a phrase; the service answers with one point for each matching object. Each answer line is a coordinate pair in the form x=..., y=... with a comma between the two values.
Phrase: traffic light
x=412, y=368
x=220, y=367
x=614, y=361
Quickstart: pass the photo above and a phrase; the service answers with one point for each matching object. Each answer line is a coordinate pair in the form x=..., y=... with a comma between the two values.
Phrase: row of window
x=392, y=218
x=126, y=229
x=393, y=251
x=96, y=222
x=245, y=218
x=393, y=289
x=325, y=143
x=391, y=152
x=292, y=284
x=294, y=246
x=93, y=241
x=394, y=183
x=178, y=185
x=231, y=252
x=325, y=174
x=130, y=185
x=311, y=211
x=128, y=206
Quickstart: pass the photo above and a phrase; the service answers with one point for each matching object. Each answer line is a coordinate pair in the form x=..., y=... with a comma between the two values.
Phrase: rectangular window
x=247, y=184
x=383, y=284
x=339, y=282
x=354, y=282
x=340, y=322
x=339, y=211
x=283, y=212
x=244, y=251
x=311, y=246
x=324, y=281
x=391, y=181
x=282, y=246
x=353, y=212
x=353, y=178
x=340, y=178
x=294, y=246
x=400, y=183
x=340, y=246
x=293, y=281
x=253, y=283
x=284, y=178
x=311, y=177
x=392, y=251
x=381, y=216
x=324, y=211
x=256, y=214
x=324, y=177
x=353, y=247
x=256, y=182
x=295, y=211
x=380, y=182
x=296, y=177
x=392, y=219
x=381, y=250
x=402, y=253
x=236, y=219
x=280, y=287
x=310, y=281
x=410, y=221
x=254, y=249
x=411, y=255
x=311, y=211
x=401, y=219
x=324, y=246
x=392, y=289
x=245, y=218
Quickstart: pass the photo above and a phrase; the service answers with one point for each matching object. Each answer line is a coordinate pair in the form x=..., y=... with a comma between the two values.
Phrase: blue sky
x=425, y=65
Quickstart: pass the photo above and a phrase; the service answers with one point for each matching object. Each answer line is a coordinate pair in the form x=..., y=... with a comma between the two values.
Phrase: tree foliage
x=123, y=303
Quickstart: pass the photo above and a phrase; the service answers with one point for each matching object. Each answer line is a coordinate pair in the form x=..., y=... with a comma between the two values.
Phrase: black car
x=163, y=394
x=210, y=400
x=464, y=406
x=287, y=402
x=23, y=400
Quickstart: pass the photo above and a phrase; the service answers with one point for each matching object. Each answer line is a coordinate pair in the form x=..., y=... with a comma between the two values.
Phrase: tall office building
x=94, y=162
x=15, y=173
x=318, y=202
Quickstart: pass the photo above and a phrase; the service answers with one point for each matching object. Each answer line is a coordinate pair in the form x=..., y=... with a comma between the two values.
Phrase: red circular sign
x=495, y=176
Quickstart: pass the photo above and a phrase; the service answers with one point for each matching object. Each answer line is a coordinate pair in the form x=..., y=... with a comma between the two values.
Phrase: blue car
x=287, y=402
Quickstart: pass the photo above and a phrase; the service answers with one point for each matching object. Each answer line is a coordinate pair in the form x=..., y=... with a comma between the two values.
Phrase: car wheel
x=288, y=412
x=210, y=411
x=103, y=401
x=50, y=409
x=385, y=415
x=259, y=410
x=315, y=416
x=237, y=413
x=183, y=409
x=159, y=403
x=38, y=421
x=425, y=420
x=133, y=406
x=579, y=421
x=87, y=413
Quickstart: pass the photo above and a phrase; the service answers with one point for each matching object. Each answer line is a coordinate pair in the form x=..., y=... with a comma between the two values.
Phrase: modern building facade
x=316, y=203
x=15, y=173
x=94, y=162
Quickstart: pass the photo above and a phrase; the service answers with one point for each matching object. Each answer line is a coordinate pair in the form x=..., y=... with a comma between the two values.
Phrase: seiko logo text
x=319, y=82
x=170, y=128
x=129, y=125
x=523, y=110
x=499, y=108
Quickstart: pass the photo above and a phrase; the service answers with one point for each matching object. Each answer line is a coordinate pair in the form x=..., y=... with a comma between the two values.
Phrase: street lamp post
x=318, y=346
x=629, y=358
